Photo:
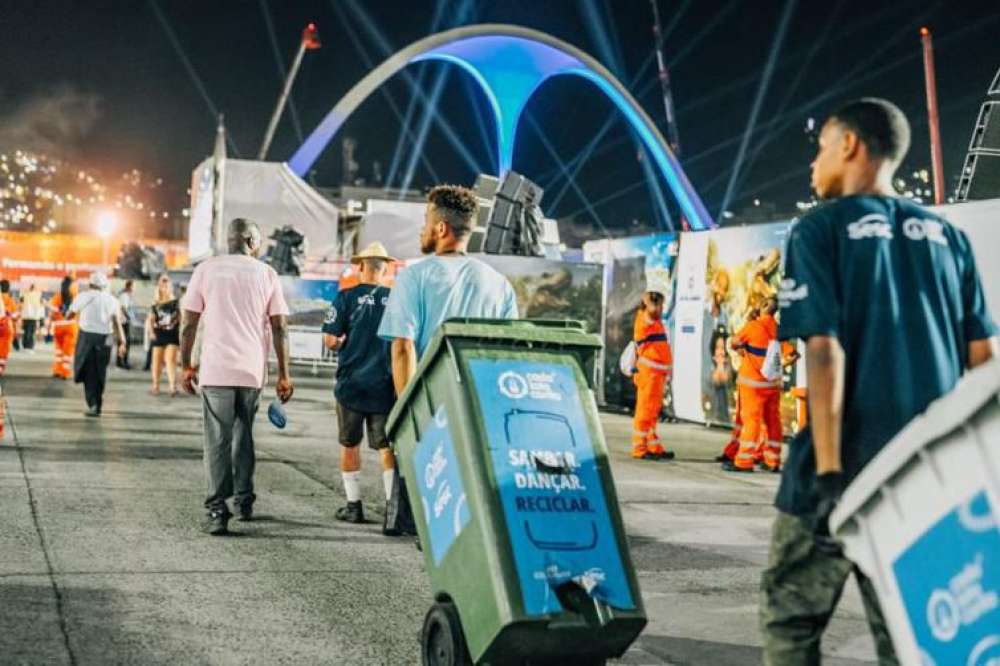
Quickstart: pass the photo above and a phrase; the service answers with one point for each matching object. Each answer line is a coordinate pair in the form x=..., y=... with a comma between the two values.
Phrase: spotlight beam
x=693, y=105
x=487, y=137
x=411, y=106
x=192, y=73
x=577, y=162
x=844, y=81
x=431, y=108
x=370, y=64
x=279, y=62
x=562, y=165
x=423, y=128
x=595, y=24
x=847, y=82
x=383, y=45
x=758, y=102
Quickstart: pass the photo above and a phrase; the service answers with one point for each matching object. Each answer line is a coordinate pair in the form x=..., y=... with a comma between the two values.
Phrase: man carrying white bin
x=888, y=299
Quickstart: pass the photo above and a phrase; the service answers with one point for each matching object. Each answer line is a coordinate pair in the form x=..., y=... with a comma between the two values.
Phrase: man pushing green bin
x=506, y=469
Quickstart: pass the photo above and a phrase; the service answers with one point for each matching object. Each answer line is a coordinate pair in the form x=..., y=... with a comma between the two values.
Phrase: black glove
x=829, y=487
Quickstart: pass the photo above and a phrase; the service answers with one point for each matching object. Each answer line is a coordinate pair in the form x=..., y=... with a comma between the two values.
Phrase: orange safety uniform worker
x=64, y=330
x=654, y=364
x=760, y=398
x=8, y=324
x=733, y=446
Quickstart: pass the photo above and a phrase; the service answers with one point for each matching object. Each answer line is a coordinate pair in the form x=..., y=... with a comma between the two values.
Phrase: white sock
x=351, y=486
x=387, y=475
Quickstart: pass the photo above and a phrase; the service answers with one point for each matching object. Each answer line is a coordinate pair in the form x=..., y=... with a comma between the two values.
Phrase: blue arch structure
x=510, y=63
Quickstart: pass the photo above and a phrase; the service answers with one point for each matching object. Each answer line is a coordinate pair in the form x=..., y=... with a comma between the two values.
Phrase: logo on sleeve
x=331, y=316
x=789, y=291
x=873, y=225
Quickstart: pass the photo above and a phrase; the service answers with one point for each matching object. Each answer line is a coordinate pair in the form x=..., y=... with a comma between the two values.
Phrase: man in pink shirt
x=237, y=300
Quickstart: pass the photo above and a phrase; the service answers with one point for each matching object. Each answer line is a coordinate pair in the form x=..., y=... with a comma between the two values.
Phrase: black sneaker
x=666, y=454
x=216, y=523
x=763, y=466
x=730, y=466
x=92, y=412
x=244, y=512
x=353, y=512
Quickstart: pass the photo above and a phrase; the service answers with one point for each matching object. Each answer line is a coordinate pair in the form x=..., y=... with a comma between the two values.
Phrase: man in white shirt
x=99, y=316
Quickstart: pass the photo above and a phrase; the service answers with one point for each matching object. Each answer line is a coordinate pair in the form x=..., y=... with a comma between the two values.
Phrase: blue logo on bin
x=949, y=580
x=439, y=480
x=547, y=477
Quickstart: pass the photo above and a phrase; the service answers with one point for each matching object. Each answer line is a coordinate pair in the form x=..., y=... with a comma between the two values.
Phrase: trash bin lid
x=541, y=333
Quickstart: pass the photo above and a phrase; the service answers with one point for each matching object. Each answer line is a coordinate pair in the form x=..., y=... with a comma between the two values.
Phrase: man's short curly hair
x=457, y=207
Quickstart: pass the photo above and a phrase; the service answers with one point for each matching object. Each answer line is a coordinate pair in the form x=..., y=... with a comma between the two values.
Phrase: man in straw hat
x=364, y=388
x=99, y=315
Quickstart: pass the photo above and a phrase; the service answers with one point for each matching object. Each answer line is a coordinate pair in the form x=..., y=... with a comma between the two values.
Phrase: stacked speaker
x=980, y=178
x=510, y=219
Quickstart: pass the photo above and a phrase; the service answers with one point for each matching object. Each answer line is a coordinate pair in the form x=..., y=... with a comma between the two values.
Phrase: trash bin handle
x=427, y=396
x=413, y=422
x=454, y=359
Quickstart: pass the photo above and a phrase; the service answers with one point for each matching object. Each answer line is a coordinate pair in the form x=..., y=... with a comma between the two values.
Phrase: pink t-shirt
x=236, y=295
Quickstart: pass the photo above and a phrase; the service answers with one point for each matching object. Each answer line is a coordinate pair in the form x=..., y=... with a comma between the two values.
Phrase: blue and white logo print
x=442, y=493
x=950, y=583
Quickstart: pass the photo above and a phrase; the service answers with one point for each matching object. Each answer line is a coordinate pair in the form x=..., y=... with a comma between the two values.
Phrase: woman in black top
x=163, y=324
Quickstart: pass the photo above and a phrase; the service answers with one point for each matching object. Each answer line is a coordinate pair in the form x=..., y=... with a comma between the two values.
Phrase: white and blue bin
x=923, y=522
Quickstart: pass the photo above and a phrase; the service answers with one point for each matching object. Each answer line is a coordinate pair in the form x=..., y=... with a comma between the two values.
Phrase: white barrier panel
x=980, y=220
x=305, y=343
x=688, y=322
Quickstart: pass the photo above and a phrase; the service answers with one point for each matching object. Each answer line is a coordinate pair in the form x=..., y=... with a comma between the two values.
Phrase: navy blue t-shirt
x=898, y=287
x=364, y=370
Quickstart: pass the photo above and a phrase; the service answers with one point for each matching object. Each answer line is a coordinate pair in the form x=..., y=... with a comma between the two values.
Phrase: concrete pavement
x=102, y=561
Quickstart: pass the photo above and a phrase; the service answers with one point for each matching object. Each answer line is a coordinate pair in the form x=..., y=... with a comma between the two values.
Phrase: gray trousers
x=229, y=455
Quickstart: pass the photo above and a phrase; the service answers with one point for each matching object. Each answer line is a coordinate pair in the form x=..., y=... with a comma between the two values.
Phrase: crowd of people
x=66, y=319
x=854, y=270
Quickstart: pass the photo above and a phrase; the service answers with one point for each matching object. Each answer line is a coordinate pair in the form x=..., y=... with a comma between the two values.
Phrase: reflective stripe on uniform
x=756, y=383
x=662, y=367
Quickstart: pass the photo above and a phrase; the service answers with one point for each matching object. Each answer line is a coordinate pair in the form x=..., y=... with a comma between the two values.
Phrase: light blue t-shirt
x=439, y=288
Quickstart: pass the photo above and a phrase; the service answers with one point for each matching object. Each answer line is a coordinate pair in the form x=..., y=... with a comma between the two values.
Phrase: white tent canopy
x=268, y=193
x=396, y=224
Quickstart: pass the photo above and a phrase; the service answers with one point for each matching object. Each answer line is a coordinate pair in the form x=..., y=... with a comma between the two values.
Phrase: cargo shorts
x=800, y=589
x=352, y=425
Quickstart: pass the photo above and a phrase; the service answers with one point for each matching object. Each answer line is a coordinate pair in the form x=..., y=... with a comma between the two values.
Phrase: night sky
x=151, y=115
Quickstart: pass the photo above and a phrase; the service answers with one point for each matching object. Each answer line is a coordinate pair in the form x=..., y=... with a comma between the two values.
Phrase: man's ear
x=850, y=145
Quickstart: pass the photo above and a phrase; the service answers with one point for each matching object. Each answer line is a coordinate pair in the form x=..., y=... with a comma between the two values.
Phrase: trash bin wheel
x=442, y=640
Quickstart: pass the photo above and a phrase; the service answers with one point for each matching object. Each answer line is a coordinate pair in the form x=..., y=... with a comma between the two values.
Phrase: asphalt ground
x=102, y=560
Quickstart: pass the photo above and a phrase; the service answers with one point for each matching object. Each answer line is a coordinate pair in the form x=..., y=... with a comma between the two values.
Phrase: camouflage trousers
x=799, y=591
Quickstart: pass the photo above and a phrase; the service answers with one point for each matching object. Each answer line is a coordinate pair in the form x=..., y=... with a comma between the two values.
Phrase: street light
x=106, y=223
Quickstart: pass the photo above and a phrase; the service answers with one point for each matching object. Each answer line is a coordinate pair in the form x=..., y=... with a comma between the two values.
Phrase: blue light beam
x=758, y=102
x=383, y=45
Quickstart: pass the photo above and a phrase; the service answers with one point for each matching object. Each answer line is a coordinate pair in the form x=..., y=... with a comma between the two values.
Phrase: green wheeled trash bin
x=506, y=469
